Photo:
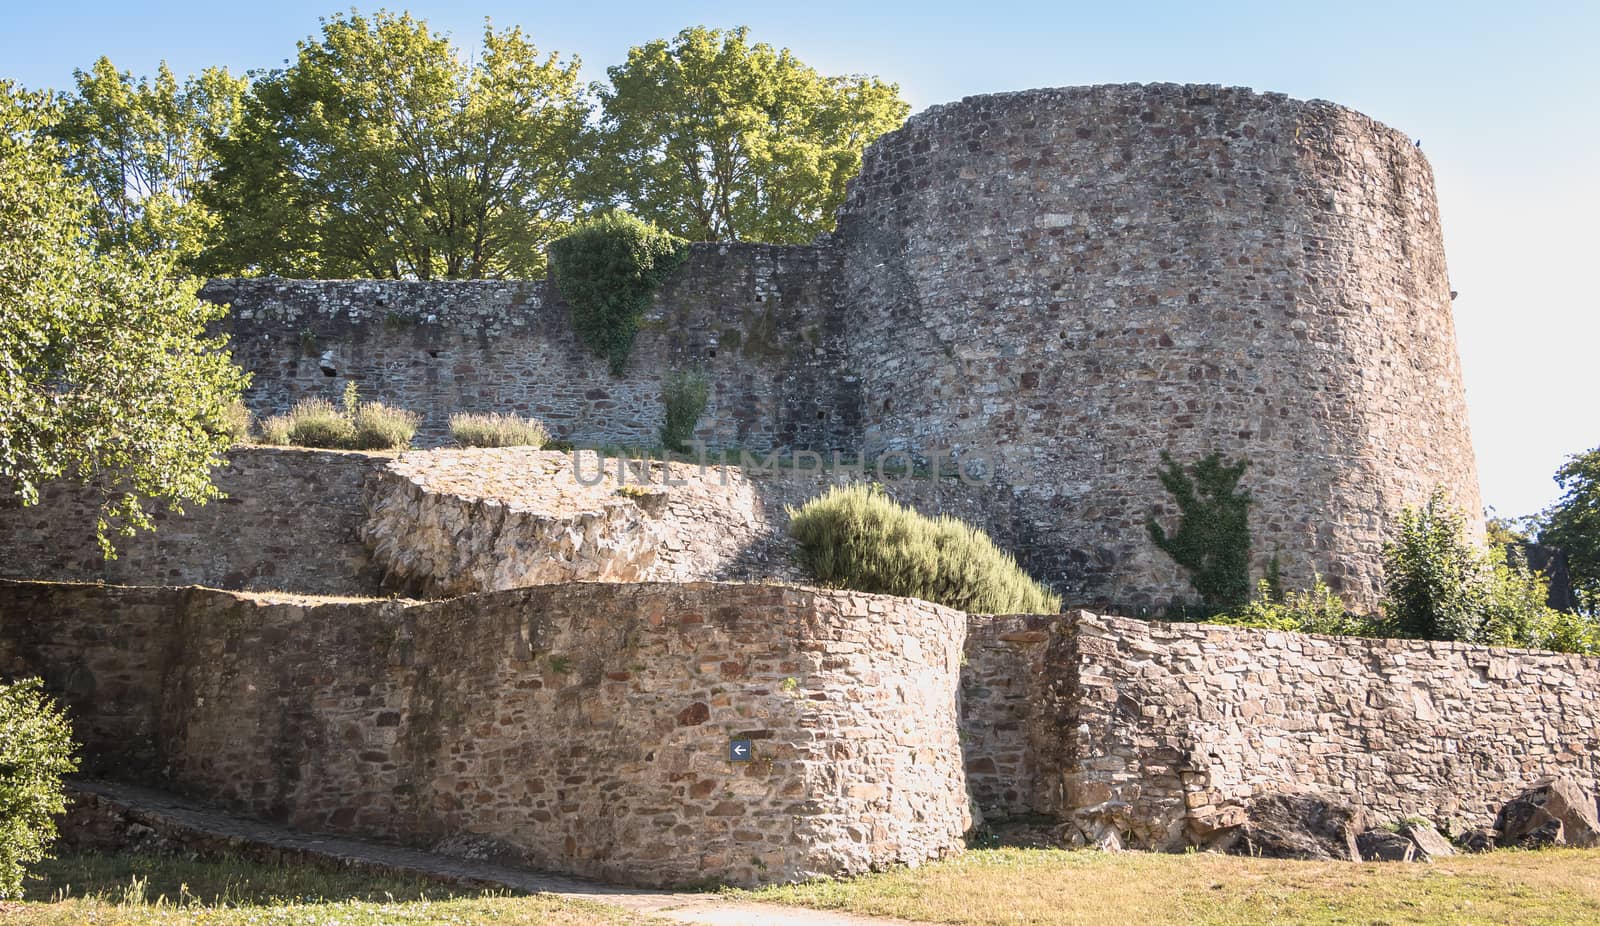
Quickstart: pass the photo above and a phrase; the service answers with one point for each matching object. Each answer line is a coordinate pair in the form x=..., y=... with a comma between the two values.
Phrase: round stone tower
x=1076, y=280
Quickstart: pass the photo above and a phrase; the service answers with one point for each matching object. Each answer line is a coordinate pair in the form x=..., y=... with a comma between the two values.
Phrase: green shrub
x=274, y=431
x=1434, y=583
x=859, y=538
x=1437, y=586
x=236, y=421
x=317, y=423
x=379, y=427
x=35, y=752
x=498, y=430
x=1212, y=541
x=684, y=396
x=1317, y=610
x=608, y=269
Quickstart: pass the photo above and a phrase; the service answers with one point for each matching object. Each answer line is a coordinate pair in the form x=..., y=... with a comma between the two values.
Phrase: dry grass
x=1016, y=887
x=134, y=890
x=498, y=430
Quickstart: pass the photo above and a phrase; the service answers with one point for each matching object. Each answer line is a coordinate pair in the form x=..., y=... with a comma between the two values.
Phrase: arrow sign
x=740, y=751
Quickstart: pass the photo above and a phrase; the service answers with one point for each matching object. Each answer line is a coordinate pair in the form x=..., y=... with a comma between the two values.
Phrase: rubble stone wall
x=1075, y=280
x=289, y=520
x=755, y=320
x=1163, y=731
x=581, y=728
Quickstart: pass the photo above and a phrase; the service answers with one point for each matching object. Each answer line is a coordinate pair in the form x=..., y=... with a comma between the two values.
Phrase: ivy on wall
x=608, y=269
x=1212, y=540
x=684, y=399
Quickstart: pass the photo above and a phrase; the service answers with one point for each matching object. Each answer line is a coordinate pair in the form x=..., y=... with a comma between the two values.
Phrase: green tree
x=106, y=375
x=382, y=152
x=145, y=147
x=716, y=139
x=1437, y=586
x=1212, y=541
x=35, y=752
x=1573, y=524
x=1432, y=577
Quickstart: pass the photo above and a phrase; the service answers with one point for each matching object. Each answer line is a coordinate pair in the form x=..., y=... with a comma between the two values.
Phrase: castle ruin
x=1065, y=283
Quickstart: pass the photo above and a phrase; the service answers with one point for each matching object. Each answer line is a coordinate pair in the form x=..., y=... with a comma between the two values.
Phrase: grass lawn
x=134, y=890
x=1030, y=886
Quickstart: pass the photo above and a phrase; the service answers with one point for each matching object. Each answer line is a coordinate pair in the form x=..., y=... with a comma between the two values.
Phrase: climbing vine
x=1212, y=540
x=608, y=269
x=684, y=399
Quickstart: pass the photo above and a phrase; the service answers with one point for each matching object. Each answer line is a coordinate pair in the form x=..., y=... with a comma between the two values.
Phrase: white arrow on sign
x=739, y=749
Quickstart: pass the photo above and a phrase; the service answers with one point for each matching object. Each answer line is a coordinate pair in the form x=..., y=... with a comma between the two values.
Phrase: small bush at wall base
x=317, y=422
x=379, y=427
x=857, y=537
x=35, y=752
x=1318, y=610
x=608, y=270
x=497, y=430
x=236, y=422
x=684, y=397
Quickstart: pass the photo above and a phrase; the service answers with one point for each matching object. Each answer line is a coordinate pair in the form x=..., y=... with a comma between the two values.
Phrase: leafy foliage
x=1318, y=610
x=383, y=152
x=1212, y=541
x=145, y=147
x=1439, y=587
x=685, y=397
x=106, y=374
x=1573, y=524
x=498, y=430
x=716, y=139
x=608, y=269
x=1433, y=582
x=857, y=537
x=35, y=752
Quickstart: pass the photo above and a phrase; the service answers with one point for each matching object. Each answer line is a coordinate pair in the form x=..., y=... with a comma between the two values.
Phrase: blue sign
x=740, y=751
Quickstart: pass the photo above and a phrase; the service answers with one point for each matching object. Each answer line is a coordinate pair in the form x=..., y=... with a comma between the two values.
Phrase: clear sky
x=1504, y=96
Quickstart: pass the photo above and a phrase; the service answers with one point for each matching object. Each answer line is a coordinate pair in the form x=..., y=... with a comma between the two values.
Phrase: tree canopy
x=382, y=149
x=380, y=152
x=145, y=147
x=1573, y=524
x=106, y=375
x=716, y=139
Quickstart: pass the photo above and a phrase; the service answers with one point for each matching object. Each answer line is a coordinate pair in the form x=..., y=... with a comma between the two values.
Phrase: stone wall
x=1162, y=732
x=755, y=319
x=579, y=728
x=1002, y=688
x=1078, y=279
x=1066, y=281
x=291, y=521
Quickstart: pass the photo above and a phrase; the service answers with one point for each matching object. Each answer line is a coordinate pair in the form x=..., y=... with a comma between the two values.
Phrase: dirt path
x=197, y=828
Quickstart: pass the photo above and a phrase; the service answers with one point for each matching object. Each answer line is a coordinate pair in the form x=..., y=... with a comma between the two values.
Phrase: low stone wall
x=446, y=522
x=577, y=728
x=290, y=521
x=1174, y=726
x=1001, y=689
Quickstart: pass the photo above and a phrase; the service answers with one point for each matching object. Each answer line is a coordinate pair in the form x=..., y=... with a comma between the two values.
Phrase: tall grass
x=317, y=422
x=497, y=430
x=857, y=537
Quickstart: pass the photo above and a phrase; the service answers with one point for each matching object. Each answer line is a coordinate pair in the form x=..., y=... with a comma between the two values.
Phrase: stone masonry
x=1056, y=284
x=1161, y=733
x=579, y=728
x=583, y=728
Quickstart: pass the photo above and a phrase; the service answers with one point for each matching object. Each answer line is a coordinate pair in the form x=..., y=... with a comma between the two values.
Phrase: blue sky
x=1505, y=98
